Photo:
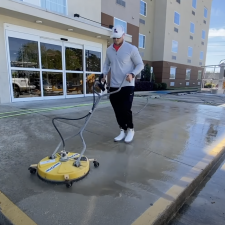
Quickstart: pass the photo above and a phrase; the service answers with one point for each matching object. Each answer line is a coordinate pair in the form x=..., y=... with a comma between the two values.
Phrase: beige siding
x=130, y=13
x=90, y=9
x=159, y=29
x=183, y=36
x=147, y=30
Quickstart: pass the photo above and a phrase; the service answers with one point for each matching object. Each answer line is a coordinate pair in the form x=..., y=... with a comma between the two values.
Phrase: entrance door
x=74, y=70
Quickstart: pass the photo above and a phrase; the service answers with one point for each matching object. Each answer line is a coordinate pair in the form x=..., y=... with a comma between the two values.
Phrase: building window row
x=190, y=50
x=173, y=71
x=192, y=25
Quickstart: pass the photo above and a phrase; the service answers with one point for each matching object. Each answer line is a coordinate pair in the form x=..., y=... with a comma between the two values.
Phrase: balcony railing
x=57, y=6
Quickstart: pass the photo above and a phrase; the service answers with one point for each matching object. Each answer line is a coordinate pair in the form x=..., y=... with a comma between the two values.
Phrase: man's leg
x=117, y=104
x=127, y=112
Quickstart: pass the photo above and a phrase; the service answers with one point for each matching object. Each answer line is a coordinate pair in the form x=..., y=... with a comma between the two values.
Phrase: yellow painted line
x=13, y=213
x=162, y=204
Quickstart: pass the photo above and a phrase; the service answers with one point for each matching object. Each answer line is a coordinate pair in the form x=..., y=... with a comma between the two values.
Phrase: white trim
x=139, y=40
x=172, y=46
x=174, y=18
x=146, y=9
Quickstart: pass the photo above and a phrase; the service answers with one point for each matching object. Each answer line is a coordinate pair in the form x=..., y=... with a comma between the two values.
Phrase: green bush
x=164, y=86
x=208, y=85
x=159, y=86
x=155, y=86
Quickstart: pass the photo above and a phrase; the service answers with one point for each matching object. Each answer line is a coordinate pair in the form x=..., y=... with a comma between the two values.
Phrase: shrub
x=159, y=86
x=143, y=86
x=164, y=86
x=208, y=85
x=155, y=86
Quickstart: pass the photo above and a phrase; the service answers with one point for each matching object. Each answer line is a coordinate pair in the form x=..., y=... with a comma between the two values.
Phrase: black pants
x=122, y=104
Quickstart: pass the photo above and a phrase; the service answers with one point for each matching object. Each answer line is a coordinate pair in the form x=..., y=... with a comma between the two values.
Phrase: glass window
x=23, y=53
x=90, y=79
x=52, y=83
x=74, y=83
x=190, y=51
x=201, y=55
x=187, y=83
x=51, y=56
x=175, y=46
x=188, y=74
x=177, y=18
x=205, y=12
x=74, y=59
x=203, y=35
x=172, y=72
x=199, y=75
x=192, y=28
x=143, y=8
x=58, y=6
x=26, y=84
x=194, y=3
x=141, y=41
x=93, y=61
x=172, y=84
x=122, y=23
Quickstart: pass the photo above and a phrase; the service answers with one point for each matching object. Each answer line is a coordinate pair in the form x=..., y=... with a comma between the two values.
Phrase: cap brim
x=116, y=35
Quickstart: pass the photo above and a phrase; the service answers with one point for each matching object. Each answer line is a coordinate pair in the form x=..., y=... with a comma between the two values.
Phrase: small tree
x=145, y=73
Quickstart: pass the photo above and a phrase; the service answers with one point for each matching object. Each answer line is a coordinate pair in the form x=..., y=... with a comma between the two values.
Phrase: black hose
x=61, y=118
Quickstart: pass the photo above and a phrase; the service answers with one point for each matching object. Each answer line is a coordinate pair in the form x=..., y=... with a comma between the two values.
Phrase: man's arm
x=106, y=66
x=137, y=60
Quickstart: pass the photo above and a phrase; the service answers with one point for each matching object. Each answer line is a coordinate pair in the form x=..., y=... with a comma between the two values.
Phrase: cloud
x=216, y=32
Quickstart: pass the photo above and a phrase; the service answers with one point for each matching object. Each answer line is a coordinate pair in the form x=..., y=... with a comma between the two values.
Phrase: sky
x=216, y=40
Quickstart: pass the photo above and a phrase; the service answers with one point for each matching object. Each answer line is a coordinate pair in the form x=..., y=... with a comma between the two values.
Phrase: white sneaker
x=121, y=136
x=130, y=136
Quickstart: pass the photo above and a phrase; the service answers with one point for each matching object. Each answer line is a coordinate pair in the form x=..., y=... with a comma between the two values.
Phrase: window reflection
x=51, y=56
x=26, y=84
x=74, y=83
x=52, y=83
x=93, y=61
x=90, y=79
x=74, y=59
x=23, y=53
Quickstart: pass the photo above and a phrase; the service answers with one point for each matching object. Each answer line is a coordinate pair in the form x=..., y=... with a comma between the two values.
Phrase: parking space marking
x=15, y=215
x=151, y=215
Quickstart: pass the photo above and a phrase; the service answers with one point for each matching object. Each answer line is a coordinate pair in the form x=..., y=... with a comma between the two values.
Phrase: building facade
x=173, y=35
x=55, y=49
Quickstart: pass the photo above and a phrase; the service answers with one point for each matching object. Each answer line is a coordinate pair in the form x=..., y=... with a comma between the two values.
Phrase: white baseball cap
x=117, y=31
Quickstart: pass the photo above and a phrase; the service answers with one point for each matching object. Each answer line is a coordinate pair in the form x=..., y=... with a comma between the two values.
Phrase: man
x=124, y=60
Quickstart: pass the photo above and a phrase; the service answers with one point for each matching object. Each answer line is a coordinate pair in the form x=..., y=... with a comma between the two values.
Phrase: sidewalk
x=141, y=183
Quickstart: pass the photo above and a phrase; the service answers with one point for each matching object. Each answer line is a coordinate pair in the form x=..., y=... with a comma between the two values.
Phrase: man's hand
x=129, y=77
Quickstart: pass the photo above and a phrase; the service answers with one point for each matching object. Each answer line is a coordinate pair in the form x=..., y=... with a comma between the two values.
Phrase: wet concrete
x=170, y=138
x=206, y=205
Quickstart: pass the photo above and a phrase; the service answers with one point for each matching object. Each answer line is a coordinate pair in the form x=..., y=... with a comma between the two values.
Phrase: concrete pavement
x=135, y=183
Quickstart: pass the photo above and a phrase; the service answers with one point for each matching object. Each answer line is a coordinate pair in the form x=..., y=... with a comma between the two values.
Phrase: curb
x=174, y=207
x=4, y=220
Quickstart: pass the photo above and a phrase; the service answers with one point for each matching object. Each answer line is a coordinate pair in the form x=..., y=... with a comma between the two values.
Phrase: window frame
x=175, y=72
x=206, y=12
x=202, y=34
x=145, y=8
x=174, y=18
x=115, y=18
x=201, y=54
x=190, y=27
x=200, y=76
x=177, y=46
x=195, y=4
x=186, y=74
x=66, y=5
x=139, y=40
x=188, y=52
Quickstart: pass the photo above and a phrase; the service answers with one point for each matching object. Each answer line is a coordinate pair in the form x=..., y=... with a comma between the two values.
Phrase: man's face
x=118, y=41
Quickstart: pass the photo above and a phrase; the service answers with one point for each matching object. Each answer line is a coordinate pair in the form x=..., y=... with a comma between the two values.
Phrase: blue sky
x=216, y=41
